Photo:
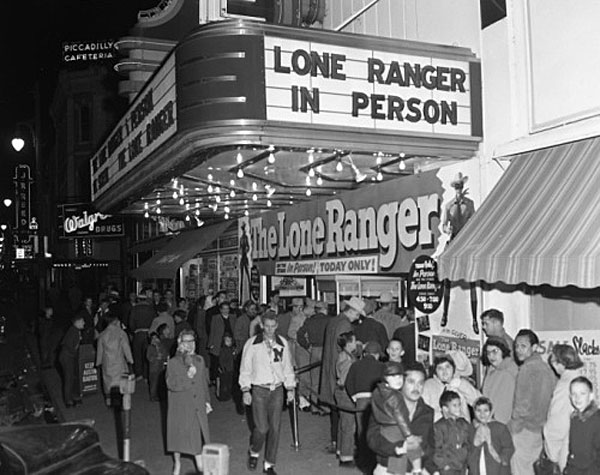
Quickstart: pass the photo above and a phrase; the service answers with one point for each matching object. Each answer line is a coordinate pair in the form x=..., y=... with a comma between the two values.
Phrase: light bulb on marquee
x=269, y=203
x=210, y=177
x=181, y=201
x=339, y=167
x=319, y=181
x=254, y=186
x=158, y=211
x=254, y=197
x=379, y=176
x=311, y=172
x=271, y=158
x=210, y=188
x=218, y=199
x=240, y=173
x=308, y=192
x=146, y=214
x=232, y=193
x=239, y=158
x=402, y=165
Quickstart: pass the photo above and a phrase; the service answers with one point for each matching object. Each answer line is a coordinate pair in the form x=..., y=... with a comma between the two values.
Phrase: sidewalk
x=226, y=427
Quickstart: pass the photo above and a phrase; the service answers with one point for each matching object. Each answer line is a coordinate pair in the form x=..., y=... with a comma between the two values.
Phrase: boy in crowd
x=452, y=436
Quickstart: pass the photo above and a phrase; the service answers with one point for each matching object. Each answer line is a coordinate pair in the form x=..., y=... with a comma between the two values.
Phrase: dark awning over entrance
x=539, y=225
x=165, y=263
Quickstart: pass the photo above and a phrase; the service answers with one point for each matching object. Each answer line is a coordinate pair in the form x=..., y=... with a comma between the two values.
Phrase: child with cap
x=389, y=411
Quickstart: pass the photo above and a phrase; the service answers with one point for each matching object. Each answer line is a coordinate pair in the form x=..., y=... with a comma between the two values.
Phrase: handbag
x=544, y=466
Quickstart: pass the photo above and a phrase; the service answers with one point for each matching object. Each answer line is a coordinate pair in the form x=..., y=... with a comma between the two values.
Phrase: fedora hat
x=370, y=306
x=459, y=180
x=386, y=297
x=357, y=304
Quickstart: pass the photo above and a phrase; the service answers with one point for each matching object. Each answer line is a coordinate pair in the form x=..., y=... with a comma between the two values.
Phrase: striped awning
x=539, y=225
x=164, y=264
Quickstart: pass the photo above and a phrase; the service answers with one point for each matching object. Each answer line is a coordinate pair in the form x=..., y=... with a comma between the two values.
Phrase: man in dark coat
x=420, y=416
x=87, y=313
x=140, y=320
x=336, y=326
x=311, y=337
x=368, y=329
x=68, y=358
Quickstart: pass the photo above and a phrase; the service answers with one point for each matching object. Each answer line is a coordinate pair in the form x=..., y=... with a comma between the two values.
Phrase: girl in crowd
x=500, y=377
x=445, y=377
x=584, y=434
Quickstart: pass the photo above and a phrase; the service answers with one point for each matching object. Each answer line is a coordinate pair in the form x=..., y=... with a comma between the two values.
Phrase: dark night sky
x=31, y=33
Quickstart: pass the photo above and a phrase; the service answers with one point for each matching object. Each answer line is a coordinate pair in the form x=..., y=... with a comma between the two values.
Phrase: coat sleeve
x=177, y=379
x=99, y=351
x=468, y=391
x=126, y=347
x=440, y=457
x=245, y=379
x=379, y=444
x=507, y=448
x=288, y=369
x=524, y=393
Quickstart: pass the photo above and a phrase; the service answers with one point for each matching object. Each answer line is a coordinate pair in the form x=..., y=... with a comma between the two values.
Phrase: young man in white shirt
x=265, y=372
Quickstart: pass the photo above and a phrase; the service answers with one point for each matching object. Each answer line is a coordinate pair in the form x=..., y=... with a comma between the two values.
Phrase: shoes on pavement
x=252, y=461
x=347, y=463
x=331, y=448
x=270, y=471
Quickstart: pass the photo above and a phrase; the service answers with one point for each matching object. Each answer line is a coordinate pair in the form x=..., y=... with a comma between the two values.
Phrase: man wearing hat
x=355, y=307
x=311, y=337
x=385, y=315
x=140, y=320
x=369, y=329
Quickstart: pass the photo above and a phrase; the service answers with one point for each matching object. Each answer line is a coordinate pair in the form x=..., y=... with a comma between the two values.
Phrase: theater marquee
x=317, y=83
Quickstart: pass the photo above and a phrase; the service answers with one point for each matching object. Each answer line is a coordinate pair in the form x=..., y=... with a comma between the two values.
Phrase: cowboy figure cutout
x=456, y=214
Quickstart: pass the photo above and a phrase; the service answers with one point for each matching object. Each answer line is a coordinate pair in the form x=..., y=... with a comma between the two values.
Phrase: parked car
x=58, y=449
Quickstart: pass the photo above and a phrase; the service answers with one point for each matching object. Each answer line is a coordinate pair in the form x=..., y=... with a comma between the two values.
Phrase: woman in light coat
x=113, y=354
x=565, y=361
x=188, y=402
x=500, y=377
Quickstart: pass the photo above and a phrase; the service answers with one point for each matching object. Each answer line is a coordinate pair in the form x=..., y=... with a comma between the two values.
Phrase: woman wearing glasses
x=189, y=402
x=500, y=376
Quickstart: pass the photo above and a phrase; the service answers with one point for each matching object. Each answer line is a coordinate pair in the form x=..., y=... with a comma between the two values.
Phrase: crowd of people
x=388, y=413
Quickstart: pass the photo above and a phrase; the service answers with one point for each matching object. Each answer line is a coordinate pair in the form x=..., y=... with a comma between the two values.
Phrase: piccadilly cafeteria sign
x=360, y=232
x=317, y=83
